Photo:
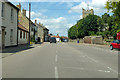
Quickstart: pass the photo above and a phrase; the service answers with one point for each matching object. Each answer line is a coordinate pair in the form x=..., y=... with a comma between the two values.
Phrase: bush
x=108, y=40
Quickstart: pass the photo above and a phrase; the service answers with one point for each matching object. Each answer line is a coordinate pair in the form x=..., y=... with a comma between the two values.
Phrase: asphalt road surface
x=62, y=60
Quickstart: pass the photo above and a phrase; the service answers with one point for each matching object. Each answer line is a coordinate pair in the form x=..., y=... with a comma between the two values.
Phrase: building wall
x=93, y=39
x=0, y=27
x=57, y=39
x=41, y=33
x=24, y=21
x=46, y=38
x=22, y=40
x=34, y=31
x=10, y=40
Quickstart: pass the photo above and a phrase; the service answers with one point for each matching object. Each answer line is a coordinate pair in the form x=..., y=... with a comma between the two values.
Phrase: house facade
x=9, y=23
x=40, y=32
x=22, y=34
x=57, y=38
x=46, y=37
x=23, y=27
x=33, y=31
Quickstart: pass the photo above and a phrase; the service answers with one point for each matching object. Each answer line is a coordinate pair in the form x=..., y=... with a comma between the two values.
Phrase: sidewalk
x=94, y=45
x=13, y=50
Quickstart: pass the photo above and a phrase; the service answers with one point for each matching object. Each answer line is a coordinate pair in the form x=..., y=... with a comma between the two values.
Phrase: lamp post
x=29, y=20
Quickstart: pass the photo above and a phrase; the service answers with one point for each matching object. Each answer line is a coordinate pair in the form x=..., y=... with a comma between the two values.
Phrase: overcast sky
x=59, y=16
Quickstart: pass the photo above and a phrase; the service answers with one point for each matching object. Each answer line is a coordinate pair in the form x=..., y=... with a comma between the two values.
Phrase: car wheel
x=111, y=47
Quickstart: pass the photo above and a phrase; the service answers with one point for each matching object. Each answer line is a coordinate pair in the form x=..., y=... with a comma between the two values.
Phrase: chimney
x=24, y=12
x=35, y=21
x=19, y=6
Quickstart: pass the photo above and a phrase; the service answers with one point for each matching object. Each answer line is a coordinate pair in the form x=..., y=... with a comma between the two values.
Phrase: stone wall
x=93, y=39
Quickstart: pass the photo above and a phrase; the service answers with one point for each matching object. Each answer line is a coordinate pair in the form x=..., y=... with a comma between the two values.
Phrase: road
x=62, y=60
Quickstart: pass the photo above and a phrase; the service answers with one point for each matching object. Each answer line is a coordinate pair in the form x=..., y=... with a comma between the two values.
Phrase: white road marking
x=104, y=71
x=83, y=69
x=112, y=70
x=38, y=46
x=56, y=72
x=92, y=59
x=56, y=58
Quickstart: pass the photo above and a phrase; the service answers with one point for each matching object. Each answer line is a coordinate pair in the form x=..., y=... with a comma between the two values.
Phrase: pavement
x=62, y=60
x=17, y=49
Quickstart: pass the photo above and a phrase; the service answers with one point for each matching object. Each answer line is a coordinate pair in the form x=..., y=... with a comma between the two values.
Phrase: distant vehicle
x=115, y=45
x=52, y=40
x=65, y=40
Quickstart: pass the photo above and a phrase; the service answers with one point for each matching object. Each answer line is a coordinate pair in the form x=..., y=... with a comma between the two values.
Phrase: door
x=3, y=38
x=38, y=39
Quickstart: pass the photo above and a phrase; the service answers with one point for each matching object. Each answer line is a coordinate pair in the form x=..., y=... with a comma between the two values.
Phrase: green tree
x=115, y=8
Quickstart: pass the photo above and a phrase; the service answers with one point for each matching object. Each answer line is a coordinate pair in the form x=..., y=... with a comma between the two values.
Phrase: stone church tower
x=87, y=12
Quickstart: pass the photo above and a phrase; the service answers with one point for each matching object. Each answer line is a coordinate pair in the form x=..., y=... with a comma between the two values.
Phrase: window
x=11, y=35
x=20, y=34
x=32, y=29
x=24, y=35
x=12, y=15
x=3, y=10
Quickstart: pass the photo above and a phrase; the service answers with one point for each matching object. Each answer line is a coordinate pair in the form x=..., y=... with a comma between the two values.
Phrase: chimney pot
x=35, y=21
x=24, y=12
x=19, y=6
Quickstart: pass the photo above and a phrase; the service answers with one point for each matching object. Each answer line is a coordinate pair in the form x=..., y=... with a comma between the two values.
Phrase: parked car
x=115, y=44
x=52, y=40
x=65, y=40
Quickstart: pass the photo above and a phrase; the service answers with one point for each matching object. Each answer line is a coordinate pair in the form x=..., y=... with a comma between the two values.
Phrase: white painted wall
x=22, y=40
x=0, y=42
x=57, y=39
x=0, y=27
x=6, y=22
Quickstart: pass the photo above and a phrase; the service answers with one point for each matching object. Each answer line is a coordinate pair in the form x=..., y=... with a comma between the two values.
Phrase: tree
x=115, y=8
x=85, y=27
x=105, y=17
x=72, y=32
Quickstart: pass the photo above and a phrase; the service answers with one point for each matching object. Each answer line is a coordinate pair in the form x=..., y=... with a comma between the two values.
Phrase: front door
x=38, y=39
x=3, y=37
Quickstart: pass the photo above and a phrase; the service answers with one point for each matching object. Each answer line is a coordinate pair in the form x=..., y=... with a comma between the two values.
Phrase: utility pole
x=29, y=20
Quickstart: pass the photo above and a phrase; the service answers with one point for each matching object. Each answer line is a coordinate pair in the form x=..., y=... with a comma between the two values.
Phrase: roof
x=10, y=4
x=22, y=27
x=56, y=36
x=42, y=26
x=64, y=37
x=46, y=29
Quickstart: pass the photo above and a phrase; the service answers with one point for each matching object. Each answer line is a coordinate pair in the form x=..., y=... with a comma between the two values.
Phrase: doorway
x=3, y=38
x=38, y=39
